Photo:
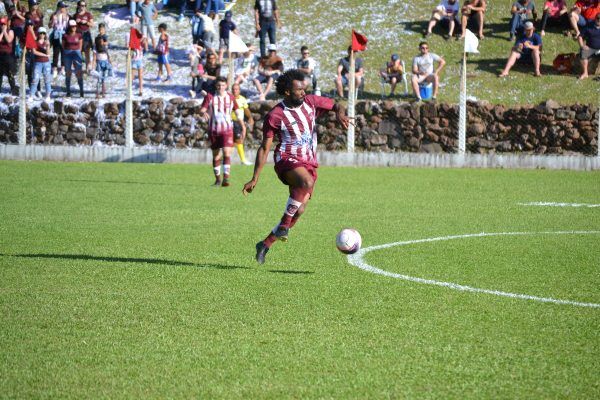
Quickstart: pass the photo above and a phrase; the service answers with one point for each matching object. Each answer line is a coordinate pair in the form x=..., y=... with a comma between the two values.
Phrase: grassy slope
x=138, y=280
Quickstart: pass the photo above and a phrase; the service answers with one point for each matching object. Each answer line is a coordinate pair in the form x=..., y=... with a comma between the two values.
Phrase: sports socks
x=240, y=150
x=226, y=167
x=217, y=168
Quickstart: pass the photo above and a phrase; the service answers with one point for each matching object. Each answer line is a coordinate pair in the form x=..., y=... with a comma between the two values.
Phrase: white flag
x=471, y=42
x=236, y=44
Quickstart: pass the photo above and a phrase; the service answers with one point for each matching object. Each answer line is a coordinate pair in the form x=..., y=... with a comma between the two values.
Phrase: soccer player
x=293, y=122
x=239, y=126
x=217, y=110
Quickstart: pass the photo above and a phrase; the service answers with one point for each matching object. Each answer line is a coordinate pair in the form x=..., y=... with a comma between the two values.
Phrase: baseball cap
x=272, y=47
x=228, y=14
x=61, y=4
x=395, y=57
x=33, y=3
x=41, y=29
x=528, y=25
x=72, y=22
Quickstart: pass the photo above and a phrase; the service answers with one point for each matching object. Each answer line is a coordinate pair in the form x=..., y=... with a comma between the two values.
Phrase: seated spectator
x=583, y=14
x=245, y=66
x=526, y=50
x=423, y=71
x=555, y=14
x=225, y=26
x=590, y=45
x=447, y=12
x=343, y=70
x=269, y=69
x=195, y=54
x=392, y=72
x=210, y=32
x=473, y=12
x=212, y=70
x=308, y=65
x=522, y=11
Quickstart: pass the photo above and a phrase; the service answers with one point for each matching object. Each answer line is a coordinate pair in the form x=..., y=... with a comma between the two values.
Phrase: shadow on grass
x=291, y=272
x=155, y=261
x=126, y=182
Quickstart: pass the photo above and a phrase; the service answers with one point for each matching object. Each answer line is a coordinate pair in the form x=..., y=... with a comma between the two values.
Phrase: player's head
x=221, y=84
x=291, y=85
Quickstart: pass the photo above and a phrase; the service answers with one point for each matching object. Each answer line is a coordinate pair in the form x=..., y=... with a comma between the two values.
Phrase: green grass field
x=138, y=281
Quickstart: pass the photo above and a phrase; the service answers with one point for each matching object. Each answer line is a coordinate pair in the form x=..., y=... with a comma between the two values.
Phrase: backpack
x=563, y=63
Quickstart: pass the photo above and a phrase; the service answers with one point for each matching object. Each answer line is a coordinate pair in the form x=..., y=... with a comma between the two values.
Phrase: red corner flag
x=359, y=42
x=135, y=37
x=30, y=39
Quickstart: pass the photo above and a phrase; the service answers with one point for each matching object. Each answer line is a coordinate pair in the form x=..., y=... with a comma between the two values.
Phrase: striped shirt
x=219, y=109
x=265, y=8
x=295, y=128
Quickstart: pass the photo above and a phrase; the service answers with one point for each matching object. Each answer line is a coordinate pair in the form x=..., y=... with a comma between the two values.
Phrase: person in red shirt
x=72, y=59
x=41, y=65
x=555, y=13
x=583, y=14
x=7, y=58
x=16, y=13
x=292, y=122
x=85, y=21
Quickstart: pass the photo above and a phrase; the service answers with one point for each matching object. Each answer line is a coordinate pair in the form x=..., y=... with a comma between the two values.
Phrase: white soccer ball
x=348, y=241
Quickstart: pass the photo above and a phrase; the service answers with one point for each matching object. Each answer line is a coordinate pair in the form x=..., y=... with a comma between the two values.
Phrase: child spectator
x=162, y=50
x=447, y=12
x=85, y=21
x=101, y=63
x=225, y=26
x=555, y=14
x=7, y=58
x=137, y=57
x=526, y=50
x=72, y=45
x=58, y=24
x=42, y=65
x=197, y=22
x=148, y=13
x=522, y=11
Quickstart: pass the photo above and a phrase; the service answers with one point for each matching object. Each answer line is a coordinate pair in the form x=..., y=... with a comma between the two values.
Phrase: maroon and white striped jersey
x=295, y=128
x=219, y=109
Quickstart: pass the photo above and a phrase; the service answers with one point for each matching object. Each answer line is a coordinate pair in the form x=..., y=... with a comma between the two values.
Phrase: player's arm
x=261, y=160
x=340, y=114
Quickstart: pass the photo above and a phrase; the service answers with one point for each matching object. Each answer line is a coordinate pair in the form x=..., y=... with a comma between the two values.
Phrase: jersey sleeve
x=206, y=101
x=320, y=103
x=269, y=127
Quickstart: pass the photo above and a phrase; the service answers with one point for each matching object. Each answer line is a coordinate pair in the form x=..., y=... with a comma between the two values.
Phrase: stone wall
x=385, y=126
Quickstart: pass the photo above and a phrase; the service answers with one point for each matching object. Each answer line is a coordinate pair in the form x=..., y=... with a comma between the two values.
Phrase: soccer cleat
x=247, y=163
x=281, y=233
x=217, y=182
x=261, y=252
x=225, y=182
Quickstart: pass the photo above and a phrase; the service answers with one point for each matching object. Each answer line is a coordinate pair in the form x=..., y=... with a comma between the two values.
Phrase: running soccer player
x=217, y=110
x=293, y=122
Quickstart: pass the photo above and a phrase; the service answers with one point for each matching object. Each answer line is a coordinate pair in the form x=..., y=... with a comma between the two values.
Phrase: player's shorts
x=289, y=164
x=221, y=140
x=237, y=132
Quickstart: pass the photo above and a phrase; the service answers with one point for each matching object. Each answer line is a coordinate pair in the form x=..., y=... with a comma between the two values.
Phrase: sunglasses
x=305, y=54
x=424, y=47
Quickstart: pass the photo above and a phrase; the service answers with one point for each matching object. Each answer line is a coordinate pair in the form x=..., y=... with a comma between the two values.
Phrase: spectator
x=215, y=6
x=58, y=24
x=85, y=20
x=101, y=63
x=17, y=12
x=134, y=6
x=473, y=11
x=225, y=26
x=42, y=65
x=392, y=72
x=308, y=66
x=522, y=11
x=423, y=71
x=245, y=66
x=266, y=20
x=210, y=32
x=35, y=15
x=447, y=12
x=343, y=70
x=197, y=69
x=197, y=23
x=7, y=58
x=162, y=51
x=239, y=124
x=526, y=50
x=148, y=13
x=212, y=70
x=269, y=69
x=590, y=45
x=72, y=45
x=583, y=14
x=555, y=14
x=137, y=58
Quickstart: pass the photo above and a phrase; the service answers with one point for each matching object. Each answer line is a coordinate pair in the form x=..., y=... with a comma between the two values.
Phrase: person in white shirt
x=245, y=66
x=447, y=12
x=423, y=71
x=308, y=65
x=210, y=32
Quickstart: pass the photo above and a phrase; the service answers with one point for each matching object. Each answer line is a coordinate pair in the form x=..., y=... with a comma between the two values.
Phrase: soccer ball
x=348, y=241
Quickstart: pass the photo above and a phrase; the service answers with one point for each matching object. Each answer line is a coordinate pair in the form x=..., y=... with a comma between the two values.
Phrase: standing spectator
x=137, y=57
x=210, y=32
x=58, y=24
x=590, y=45
x=7, y=58
x=343, y=73
x=42, y=65
x=245, y=66
x=522, y=11
x=162, y=49
x=308, y=66
x=269, y=69
x=473, y=10
x=225, y=26
x=239, y=125
x=72, y=59
x=447, y=12
x=134, y=6
x=393, y=72
x=526, y=50
x=266, y=21
x=217, y=109
x=197, y=23
x=85, y=20
x=17, y=12
x=423, y=72
x=148, y=14
x=215, y=6
x=101, y=63
x=35, y=15
x=212, y=70
x=555, y=14
x=583, y=14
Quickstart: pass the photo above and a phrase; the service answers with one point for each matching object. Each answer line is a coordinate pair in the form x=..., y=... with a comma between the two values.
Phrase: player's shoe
x=261, y=252
x=281, y=233
x=225, y=182
x=217, y=182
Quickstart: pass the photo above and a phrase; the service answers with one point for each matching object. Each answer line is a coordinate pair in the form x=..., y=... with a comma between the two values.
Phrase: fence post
x=22, y=136
x=598, y=135
x=351, y=100
x=129, y=104
x=462, y=108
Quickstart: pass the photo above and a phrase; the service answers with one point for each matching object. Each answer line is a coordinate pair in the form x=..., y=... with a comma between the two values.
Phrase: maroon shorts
x=289, y=164
x=220, y=141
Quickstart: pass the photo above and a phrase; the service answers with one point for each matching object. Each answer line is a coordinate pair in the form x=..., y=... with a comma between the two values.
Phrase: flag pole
x=129, y=104
x=230, y=65
x=462, y=107
x=23, y=101
x=351, y=99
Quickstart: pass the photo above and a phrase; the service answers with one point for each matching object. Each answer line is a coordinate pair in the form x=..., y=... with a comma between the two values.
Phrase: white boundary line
x=551, y=204
x=359, y=261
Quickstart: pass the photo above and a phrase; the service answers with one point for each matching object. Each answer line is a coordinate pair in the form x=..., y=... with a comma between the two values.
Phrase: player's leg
x=226, y=164
x=216, y=152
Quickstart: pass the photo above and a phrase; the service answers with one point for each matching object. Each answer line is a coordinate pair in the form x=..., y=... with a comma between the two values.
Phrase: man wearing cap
x=589, y=41
x=269, y=69
x=7, y=58
x=392, y=72
x=266, y=21
x=526, y=50
x=447, y=12
x=225, y=26
x=58, y=24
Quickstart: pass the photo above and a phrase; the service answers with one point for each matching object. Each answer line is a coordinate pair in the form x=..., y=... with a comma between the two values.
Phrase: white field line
x=359, y=261
x=551, y=204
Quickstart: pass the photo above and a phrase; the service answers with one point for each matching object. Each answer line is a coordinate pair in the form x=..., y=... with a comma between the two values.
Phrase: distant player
x=217, y=110
x=293, y=122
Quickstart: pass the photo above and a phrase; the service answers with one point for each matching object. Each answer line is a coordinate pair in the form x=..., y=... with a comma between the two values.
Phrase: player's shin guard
x=217, y=168
x=291, y=208
x=226, y=167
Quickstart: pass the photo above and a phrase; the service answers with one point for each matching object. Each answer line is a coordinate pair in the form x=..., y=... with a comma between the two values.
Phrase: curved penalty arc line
x=358, y=261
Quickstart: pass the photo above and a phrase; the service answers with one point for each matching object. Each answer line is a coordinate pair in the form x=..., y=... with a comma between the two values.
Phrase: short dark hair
x=303, y=49
x=422, y=43
x=286, y=80
x=221, y=79
x=101, y=25
x=162, y=26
